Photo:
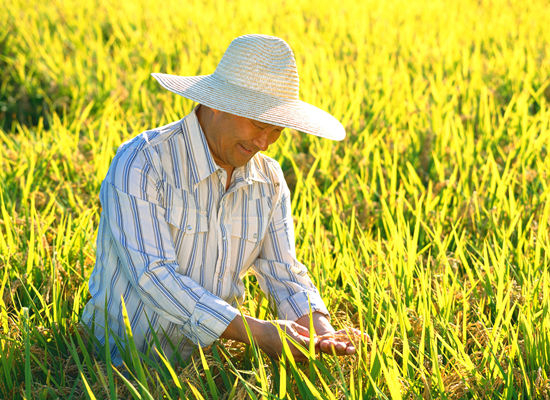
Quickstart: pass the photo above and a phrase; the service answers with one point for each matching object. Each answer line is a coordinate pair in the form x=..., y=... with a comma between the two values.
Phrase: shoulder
x=150, y=139
x=141, y=155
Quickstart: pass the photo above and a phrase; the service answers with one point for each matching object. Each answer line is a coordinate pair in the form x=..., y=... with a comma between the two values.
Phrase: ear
x=215, y=114
x=208, y=113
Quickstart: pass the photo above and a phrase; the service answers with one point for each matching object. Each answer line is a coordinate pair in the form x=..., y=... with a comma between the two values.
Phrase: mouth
x=245, y=150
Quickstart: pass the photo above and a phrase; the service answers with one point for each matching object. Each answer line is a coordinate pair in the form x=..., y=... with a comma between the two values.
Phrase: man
x=189, y=207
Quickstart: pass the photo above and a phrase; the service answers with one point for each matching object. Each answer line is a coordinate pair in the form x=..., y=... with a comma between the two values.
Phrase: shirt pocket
x=188, y=224
x=249, y=228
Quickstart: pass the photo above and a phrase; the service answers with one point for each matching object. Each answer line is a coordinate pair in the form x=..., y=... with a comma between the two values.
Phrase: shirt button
x=189, y=227
x=255, y=236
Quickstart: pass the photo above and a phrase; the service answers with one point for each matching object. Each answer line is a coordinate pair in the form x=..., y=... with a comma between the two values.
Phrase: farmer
x=190, y=207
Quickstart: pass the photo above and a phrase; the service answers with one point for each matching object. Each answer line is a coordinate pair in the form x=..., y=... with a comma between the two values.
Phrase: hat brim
x=233, y=99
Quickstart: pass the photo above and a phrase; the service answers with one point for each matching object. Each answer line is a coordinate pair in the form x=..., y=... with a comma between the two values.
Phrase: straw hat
x=257, y=79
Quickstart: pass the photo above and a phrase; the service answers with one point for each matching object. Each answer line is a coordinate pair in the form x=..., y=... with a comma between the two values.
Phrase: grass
x=428, y=227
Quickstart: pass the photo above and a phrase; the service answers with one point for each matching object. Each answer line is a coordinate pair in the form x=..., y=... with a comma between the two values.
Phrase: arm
x=280, y=274
x=278, y=271
x=134, y=221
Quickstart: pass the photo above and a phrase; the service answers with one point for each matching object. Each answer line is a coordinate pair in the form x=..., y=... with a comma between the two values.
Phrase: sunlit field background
x=427, y=227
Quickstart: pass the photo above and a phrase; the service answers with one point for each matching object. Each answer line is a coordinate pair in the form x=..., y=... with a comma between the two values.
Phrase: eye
x=258, y=124
x=273, y=129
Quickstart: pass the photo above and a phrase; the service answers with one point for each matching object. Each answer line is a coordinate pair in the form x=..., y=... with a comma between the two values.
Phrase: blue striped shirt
x=175, y=245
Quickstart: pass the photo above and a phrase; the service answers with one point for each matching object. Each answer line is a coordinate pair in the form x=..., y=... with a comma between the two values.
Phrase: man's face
x=234, y=140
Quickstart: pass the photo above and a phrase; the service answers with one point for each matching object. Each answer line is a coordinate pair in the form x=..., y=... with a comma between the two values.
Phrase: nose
x=262, y=140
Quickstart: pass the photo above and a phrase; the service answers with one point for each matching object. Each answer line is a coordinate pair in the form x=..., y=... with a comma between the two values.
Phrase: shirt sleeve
x=278, y=271
x=135, y=219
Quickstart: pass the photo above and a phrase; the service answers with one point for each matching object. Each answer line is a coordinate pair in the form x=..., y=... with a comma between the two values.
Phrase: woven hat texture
x=257, y=78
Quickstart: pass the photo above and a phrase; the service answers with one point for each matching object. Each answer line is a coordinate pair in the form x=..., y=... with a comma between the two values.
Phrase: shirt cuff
x=209, y=319
x=297, y=305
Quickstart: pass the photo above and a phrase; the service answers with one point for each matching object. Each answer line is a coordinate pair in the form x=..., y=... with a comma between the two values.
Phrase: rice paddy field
x=427, y=227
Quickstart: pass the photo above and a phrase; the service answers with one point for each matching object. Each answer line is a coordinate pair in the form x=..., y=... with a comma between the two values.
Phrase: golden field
x=427, y=227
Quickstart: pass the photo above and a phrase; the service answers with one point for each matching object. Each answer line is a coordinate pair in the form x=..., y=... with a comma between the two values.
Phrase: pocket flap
x=250, y=228
x=181, y=212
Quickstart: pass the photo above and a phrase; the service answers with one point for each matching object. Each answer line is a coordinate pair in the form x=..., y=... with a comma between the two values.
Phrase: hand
x=266, y=335
x=342, y=342
x=270, y=339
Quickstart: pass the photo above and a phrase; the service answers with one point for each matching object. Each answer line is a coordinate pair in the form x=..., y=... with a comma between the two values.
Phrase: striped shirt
x=175, y=245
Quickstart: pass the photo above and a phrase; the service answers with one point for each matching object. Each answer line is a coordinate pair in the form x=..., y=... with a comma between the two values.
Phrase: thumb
x=302, y=330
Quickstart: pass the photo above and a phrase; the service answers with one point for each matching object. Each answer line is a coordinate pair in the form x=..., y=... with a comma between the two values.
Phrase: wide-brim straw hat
x=257, y=78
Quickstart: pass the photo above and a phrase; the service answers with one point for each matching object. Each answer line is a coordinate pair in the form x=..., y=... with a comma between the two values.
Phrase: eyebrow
x=264, y=125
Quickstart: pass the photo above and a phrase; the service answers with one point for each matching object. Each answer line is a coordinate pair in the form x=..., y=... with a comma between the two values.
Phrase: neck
x=205, y=116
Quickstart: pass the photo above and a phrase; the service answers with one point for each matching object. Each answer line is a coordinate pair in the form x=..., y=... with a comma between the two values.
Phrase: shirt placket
x=224, y=227
x=223, y=235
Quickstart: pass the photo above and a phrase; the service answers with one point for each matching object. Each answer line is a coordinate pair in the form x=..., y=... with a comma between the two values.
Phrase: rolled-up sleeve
x=135, y=219
x=278, y=271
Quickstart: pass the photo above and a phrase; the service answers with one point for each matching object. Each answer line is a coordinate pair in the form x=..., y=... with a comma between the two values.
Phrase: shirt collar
x=202, y=163
x=252, y=171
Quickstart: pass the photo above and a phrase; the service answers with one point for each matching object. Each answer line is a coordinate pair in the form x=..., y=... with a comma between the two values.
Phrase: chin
x=245, y=161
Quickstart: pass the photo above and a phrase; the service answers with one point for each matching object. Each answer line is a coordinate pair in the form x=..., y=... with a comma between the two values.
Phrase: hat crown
x=261, y=63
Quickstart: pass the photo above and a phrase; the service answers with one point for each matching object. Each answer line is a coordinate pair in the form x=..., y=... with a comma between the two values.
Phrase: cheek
x=274, y=137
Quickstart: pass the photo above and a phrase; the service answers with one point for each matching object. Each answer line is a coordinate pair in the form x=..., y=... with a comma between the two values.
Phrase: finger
x=341, y=342
x=329, y=346
x=301, y=353
x=337, y=347
x=293, y=337
x=334, y=350
x=350, y=332
x=358, y=333
x=345, y=349
x=362, y=335
x=299, y=338
x=327, y=335
x=324, y=346
x=337, y=335
x=337, y=342
x=353, y=334
x=295, y=341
